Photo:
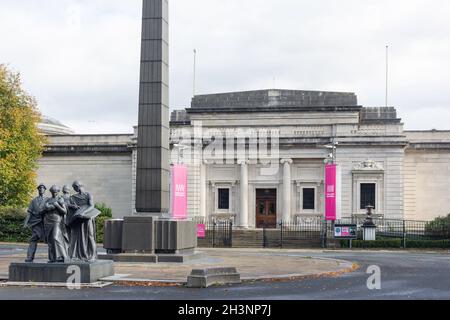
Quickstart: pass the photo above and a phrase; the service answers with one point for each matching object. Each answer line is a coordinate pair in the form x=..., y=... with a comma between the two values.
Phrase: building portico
x=274, y=141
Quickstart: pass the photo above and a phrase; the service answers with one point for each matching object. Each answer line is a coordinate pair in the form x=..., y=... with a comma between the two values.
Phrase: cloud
x=81, y=58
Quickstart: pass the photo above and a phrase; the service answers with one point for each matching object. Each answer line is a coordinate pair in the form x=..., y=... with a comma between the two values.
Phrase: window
x=224, y=199
x=261, y=208
x=368, y=195
x=309, y=199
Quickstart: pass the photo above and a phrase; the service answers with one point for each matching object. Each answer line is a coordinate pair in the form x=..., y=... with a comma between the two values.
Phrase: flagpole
x=387, y=75
x=195, y=70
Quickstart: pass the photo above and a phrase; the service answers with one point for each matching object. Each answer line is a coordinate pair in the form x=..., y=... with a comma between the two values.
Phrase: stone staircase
x=255, y=239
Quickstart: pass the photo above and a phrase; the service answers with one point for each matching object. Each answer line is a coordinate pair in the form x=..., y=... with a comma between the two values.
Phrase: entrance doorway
x=266, y=208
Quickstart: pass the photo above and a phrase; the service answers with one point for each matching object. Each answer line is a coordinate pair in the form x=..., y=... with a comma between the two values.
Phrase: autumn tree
x=21, y=143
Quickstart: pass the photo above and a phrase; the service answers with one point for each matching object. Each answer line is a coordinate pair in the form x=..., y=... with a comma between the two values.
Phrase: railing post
x=404, y=234
x=281, y=229
x=264, y=235
x=324, y=233
x=214, y=234
x=231, y=234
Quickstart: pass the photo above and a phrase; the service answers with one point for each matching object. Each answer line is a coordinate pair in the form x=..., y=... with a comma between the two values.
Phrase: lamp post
x=332, y=156
x=369, y=227
x=179, y=147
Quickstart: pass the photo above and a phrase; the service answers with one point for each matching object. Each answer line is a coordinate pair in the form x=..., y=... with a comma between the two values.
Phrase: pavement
x=405, y=275
x=252, y=264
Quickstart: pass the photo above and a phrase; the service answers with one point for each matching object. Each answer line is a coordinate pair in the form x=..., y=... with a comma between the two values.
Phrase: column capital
x=243, y=162
x=287, y=161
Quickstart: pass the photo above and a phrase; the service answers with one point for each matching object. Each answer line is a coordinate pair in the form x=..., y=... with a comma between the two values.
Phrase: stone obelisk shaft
x=153, y=167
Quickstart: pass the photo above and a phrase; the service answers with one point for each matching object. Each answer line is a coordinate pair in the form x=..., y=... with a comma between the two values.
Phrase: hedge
x=11, y=225
x=12, y=230
x=385, y=243
x=398, y=243
x=106, y=213
x=440, y=244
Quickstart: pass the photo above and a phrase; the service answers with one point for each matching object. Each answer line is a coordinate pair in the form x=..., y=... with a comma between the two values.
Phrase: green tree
x=21, y=143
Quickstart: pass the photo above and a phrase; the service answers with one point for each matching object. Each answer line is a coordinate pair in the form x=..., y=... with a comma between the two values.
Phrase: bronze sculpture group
x=65, y=222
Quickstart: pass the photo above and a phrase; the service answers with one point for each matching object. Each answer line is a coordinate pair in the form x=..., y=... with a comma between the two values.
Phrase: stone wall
x=427, y=175
x=102, y=163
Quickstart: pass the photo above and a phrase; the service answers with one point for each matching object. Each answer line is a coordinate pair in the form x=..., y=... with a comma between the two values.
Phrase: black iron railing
x=218, y=233
x=312, y=232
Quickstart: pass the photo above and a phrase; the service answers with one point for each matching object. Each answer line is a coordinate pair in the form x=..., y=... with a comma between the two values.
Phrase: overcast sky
x=80, y=58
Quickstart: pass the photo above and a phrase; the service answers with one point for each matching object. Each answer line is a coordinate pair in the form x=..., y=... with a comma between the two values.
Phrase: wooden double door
x=266, y=208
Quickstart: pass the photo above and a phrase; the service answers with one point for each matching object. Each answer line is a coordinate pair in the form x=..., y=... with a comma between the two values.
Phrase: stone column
x=243, y=217
x=203, y=189
x=286, y=189
x=153, y=167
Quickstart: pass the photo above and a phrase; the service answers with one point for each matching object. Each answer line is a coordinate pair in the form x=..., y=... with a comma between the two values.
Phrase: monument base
x=180, y=258
x=90, y=272
x=146, y=238
x=152, y=258
x=130, y=257
x=138, y=235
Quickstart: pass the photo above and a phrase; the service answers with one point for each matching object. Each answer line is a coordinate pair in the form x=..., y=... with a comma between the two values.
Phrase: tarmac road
x=404, y=275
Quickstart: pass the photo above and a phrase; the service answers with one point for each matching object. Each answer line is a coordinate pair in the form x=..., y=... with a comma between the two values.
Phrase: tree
x=21, y=143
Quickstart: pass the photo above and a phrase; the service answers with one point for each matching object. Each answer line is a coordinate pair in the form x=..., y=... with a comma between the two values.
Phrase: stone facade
x=427, y=175
x=405, y=168
x=102, y=162
x=305, y=122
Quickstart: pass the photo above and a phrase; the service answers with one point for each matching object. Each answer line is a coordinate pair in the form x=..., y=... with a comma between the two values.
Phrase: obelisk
x=151, y=236
x=153, y=167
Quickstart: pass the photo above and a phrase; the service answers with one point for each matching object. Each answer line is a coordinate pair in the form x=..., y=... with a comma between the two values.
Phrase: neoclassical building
x=259, y=157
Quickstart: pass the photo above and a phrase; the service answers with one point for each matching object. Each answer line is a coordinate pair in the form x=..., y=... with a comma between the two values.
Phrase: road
x=404, y=275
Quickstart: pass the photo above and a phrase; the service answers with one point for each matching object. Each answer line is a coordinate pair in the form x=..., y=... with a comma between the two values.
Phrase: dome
x=50, y=126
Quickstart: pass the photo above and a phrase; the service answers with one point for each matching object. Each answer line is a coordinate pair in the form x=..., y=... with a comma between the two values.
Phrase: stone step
x=204, y=278
x=255, y=239
x=86, y=272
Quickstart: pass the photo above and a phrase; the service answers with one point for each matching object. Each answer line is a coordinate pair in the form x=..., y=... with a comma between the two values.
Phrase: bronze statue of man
x=66, y=193
x=65, y=228
x=83, y=246
x=54, y=211
x=34, y=221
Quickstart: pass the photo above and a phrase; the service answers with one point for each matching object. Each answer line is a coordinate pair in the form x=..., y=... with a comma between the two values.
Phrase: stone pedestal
x=175, y=237
x=369, y=233
x=90, y=272
x=204, y=278
x=369, y=228
x=138, y=235
x=113, y=235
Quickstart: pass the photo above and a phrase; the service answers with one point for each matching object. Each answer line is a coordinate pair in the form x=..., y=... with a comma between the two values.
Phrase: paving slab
x=252, y=265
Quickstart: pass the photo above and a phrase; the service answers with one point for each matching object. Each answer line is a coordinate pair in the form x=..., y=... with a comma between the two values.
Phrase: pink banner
x=179, y=192
x=330, y=192
x=201, y=231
